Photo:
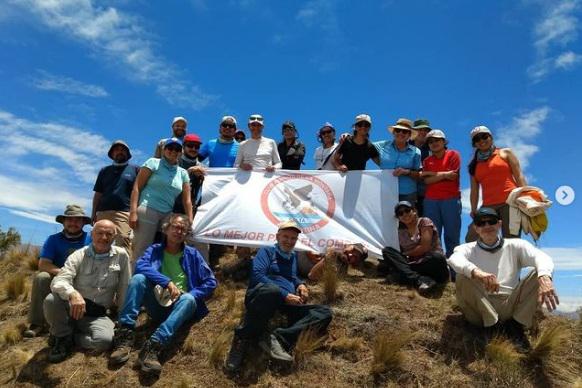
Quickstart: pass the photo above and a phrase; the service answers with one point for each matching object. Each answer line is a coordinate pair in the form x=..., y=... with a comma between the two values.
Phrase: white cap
x=437, y=134
x=479, y=129
x=228, y=118
x=179, y=118
x=363, y=117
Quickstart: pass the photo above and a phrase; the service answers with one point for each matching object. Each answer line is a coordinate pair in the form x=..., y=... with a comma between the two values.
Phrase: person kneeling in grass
x=172, y=281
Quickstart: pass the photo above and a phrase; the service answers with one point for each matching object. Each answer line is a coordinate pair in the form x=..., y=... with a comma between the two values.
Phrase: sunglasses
x=479, y=137
x=326, y=132
x=400, y=130
x=487, y=221
x=256, y=118
x=363, y=124
x=174, y=148
x=402, y=212
x=231, y=126
x=192, y=145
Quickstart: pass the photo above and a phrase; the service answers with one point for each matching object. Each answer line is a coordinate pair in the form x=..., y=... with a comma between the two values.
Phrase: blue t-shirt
x=391, y=158
x=219, y=154
x=164, y=185
x=115, y=184
x=58, y=247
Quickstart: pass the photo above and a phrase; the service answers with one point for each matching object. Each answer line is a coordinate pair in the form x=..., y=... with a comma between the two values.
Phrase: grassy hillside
x=381, y=335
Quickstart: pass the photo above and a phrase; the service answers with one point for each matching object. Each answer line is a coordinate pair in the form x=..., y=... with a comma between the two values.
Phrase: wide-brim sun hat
x=121, y=143
x=72, y=211
x=405, y=124
x=421, y=124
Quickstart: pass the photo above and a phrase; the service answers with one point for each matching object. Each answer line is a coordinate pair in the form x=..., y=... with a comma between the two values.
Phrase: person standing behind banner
x=324, y=153
x=258, y=151
x=442, y=203
x=354, y=151
x=403, y=158
x=221, y=152
x=189, y=162
x=158, y=183
x=291, y=150
x=113, y=190
x=422, y=127
x=496, y=172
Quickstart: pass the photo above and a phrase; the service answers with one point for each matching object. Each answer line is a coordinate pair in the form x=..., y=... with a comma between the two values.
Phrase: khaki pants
x=41, y=287
x=149, y=221
x=121, y=221
x=483, y=309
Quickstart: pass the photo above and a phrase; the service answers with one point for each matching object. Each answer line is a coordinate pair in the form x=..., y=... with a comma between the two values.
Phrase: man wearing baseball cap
x=113, y=191
x=258, y=152
x=53, y=254
x=291, y=150
x=221, y=152
x=355, y=151
x=490, y=291
x=179, y=125
x=274, y=286
x=189, y=162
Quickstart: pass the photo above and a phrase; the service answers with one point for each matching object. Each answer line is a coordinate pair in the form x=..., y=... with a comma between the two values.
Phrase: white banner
x=244, y=208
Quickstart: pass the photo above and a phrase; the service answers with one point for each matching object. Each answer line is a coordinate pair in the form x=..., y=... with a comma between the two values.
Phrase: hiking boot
x=382, y=268
x=236, y=354
x=122, y=345
x=34, y=331
x=425, y=285
x=149, y=355
x=515, y=332
x=62, y=347
x=274, y=349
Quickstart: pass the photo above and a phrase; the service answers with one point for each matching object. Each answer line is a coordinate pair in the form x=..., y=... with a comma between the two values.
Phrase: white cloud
x=569, y=304
x=521, y=132
x=47, y=81
x=49, y=219
x=119, y=38
x=565, y=258
x=557, y=27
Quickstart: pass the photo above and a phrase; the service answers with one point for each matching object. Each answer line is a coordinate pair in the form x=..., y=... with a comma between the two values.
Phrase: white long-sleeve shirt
x=259, y=153
x=505, y=264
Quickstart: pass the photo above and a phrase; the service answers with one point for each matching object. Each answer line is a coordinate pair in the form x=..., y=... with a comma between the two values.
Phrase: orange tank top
x=494, y=176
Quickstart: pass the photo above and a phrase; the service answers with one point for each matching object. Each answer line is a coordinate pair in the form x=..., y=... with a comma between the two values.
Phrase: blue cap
x=172, y=140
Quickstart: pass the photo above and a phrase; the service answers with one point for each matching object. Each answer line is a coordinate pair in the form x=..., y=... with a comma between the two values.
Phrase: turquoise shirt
x=391, y=158
x=164, y=185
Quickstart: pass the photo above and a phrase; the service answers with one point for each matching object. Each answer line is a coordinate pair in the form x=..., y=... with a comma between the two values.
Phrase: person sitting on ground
x=489, y=289
x=311, y=265
x=53, y=254
x=172, y=281
x=420, y=261
x=82, y=292
x=291, y=150
x=113, y=191
x=274, y=286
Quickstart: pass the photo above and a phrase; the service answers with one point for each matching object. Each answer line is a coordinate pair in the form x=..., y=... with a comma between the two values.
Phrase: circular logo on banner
x=295, y=197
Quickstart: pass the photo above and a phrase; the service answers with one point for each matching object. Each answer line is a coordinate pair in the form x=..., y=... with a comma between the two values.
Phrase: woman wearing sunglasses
x=324, y=153
x=496, y=172
x=420, y=262
x=401, y=156
x=156, y=187
x=354, y=151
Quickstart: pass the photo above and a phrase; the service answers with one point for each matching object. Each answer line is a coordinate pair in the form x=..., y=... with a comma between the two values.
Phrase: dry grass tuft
x=219, y=348
x=12, y=334
x=32, y=263
x=347, y=345
x=15, y=286
x=13, y=361
x=388, y=353
x=308, y=342
x=330, y=278
x=552, y=339
x=501, y=352
x=230, y=300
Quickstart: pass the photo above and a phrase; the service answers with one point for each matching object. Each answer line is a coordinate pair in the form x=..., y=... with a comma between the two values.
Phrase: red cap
x=192, y=138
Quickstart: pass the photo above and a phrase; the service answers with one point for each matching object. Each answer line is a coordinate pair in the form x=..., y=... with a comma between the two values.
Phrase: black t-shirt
x=115, y=184
x=291, y=156
x=195, y=188
x=355, y=156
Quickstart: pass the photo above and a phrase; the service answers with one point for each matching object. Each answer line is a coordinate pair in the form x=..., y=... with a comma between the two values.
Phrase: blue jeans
x=445, y=214
x=141, y=292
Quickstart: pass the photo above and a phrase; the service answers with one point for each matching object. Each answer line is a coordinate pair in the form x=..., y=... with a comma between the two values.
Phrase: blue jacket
x=201, y=280
x=270, y=267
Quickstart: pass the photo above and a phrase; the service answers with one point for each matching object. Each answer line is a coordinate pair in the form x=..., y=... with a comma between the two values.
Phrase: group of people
x=126, y=262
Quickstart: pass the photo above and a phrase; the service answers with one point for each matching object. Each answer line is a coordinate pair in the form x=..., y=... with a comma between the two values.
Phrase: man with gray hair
x=91, y=280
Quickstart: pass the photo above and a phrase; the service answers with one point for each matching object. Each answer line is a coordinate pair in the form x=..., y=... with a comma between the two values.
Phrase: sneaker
x=34, y=331
x=425, y=284
x=273, y=348
x=122, y=345
x=62, y=347
x=236, y=354
x=148, y=358
x=515, y=332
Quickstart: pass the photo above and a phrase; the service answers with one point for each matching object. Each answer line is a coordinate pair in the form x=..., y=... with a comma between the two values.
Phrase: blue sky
x=77, y=74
